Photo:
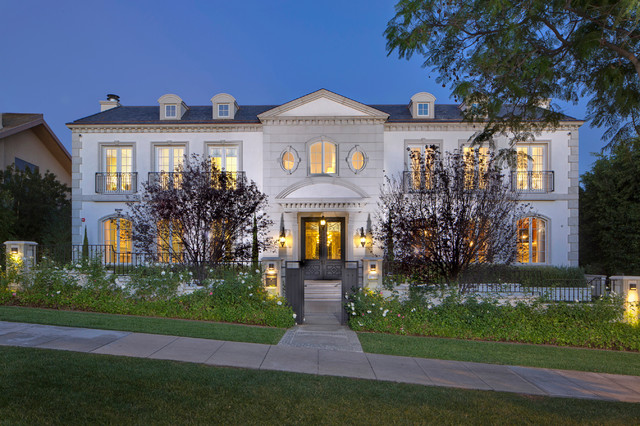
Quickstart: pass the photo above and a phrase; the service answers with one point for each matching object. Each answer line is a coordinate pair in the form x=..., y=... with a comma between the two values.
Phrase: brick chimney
x=112, y=101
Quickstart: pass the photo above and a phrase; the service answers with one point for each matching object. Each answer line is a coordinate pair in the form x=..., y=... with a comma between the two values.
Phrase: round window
x=289, y=160
x=357, y=159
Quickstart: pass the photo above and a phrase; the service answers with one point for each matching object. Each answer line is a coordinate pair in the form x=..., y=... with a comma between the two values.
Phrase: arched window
x=532, y=240
x=117, y=238
x=322, y=158
x=169, y=242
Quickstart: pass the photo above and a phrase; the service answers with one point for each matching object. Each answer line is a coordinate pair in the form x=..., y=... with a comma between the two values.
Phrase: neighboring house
x=26, y=141
x=319, y=157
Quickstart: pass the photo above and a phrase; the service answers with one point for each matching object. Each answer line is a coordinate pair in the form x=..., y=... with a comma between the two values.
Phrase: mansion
x=321, y=159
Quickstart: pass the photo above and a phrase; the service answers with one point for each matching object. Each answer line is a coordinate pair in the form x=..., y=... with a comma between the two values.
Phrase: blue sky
x=60, y=58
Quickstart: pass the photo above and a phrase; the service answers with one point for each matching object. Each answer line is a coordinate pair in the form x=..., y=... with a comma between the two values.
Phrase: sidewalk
x=431, y=372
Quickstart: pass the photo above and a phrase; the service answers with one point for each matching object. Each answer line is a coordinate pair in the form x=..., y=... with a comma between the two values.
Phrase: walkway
x=431, y=372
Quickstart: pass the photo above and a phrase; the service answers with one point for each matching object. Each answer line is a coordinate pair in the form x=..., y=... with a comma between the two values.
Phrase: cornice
x=322, y=121
x=440, y=126
x=163, y=128
x=305, y=205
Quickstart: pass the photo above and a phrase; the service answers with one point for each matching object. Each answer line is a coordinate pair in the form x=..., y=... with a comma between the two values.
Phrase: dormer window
x=170, y=111
x=422, y=105
x=223, y=110
x=423, y=109
x=172, y=107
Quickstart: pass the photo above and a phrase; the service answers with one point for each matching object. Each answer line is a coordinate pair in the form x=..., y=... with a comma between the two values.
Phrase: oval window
x=357, y=161
x=288, y=161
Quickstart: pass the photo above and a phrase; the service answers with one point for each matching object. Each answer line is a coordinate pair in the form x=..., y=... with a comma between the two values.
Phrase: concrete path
x=431, y=372
x=322, y=331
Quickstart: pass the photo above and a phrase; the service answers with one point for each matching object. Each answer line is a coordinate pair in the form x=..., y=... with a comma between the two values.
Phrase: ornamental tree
x=508, y=57
x=199, y=215
x=452, y=211
x=610, y=213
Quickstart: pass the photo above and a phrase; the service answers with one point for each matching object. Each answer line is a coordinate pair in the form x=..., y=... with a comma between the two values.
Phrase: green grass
x=56, y=387
x=602, y=361
x=174, y=327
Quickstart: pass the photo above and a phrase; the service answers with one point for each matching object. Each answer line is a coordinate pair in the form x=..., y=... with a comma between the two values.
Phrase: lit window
x=118, y=170
x=170, y=111
x=169, y=160
x=169, y=242
x=357, y=160
x=223, y=110
x=530, y=173
x=532, y=240
x=322, y=157
x=423, y=109
x=117, y=238
x=421, y=161
x=476, y=167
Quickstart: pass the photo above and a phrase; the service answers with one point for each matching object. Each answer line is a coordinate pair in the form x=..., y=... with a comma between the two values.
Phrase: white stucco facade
x=263, y=135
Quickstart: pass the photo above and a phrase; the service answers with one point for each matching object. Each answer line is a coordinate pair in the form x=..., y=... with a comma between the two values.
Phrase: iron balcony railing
x=413, y=181
x=116, y=183
x=533, y=181
x=168, y=180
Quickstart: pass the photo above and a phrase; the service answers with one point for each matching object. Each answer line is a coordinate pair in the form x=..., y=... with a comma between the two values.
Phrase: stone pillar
x=372, y=273
x=627, y=286
x=21, y=253
x=272, y=275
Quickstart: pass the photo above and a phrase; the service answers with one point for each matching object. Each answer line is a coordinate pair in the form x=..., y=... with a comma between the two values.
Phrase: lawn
x=55, y=387
x=543, y=356
x=173, y=327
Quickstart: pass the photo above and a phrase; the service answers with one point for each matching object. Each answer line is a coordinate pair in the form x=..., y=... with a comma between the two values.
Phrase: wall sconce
x=282, y=239
x=271, y=269
x=363, y=238
x=14, y=250
x=373, y=269
x=323, y=221
x=632, y=286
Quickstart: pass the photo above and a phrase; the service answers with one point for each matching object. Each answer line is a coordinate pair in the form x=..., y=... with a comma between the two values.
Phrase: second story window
x=118, y=175
x=322, y=158
x=223, y=110
x=170, y=111
x=224, y=158
x=531, y=173
x=423, y=109
x=169, y=160
x=420, y=164
x=476, y=160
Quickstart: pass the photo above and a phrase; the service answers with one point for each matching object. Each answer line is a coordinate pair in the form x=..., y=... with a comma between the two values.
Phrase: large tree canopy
x=509, y=56
x=610, y=213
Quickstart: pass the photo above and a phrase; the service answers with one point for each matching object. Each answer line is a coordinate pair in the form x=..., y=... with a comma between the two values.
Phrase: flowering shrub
x=449, y=314
x=234, y=297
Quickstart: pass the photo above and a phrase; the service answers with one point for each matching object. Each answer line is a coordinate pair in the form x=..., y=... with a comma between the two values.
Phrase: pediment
x=323, y=103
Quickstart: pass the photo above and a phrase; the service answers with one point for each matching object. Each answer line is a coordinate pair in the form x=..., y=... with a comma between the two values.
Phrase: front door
x=323, y=248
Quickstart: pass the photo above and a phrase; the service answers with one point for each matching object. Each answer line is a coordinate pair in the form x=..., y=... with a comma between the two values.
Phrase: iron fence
x=116, y=183
x=533, y=181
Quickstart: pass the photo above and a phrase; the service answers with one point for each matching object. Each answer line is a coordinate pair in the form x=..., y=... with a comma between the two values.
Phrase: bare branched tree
x=448, y=212
x=198, y=215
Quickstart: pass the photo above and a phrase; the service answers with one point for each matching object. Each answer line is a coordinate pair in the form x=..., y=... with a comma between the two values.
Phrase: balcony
x=416, y=181
x=539, y=182
x=116, y=183
x=166, y=180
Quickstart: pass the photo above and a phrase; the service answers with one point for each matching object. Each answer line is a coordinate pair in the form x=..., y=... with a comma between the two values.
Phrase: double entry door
x=323, y=247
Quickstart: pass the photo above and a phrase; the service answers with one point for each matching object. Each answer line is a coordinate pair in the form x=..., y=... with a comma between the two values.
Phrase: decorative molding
x=459, y=125
x=320, y=205
x=321, y=180
x=321, y=121
x=165, y=128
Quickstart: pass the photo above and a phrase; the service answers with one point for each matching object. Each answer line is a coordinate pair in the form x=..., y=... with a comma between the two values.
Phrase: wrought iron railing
x=166, y=180
x=116, y=183
x=414, y=181
x=532, y=181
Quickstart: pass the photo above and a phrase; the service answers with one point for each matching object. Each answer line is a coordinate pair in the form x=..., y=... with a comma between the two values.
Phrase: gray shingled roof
x=249, y=114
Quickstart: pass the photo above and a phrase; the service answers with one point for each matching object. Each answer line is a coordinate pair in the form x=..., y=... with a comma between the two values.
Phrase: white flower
x=295, y=316
x=250, y=294
x=190, y=273
x=257, y=272
x=413, y=309
x=353, y=313
x=162, y=273
x=242, y=281
x=373, y=304
x=279, y=302
x=58, y=292
x=384, y=314
x=368, y=312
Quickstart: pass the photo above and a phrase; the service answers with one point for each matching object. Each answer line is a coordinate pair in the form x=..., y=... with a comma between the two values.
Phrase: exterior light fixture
x=323, y=221
x=373, y=270
x=632, y=286
x=363, y=238
x=271, y=269
x=282, y=239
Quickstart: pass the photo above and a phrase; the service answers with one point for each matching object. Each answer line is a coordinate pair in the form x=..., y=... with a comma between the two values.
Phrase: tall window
x=531, y=166
x=476, y=166
x=169, y=161
x=421, y=160
x=225, y=158
x=322, y=158
x=532, y=240
x=169, y=242
x=118, y=165
x=117, y=238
